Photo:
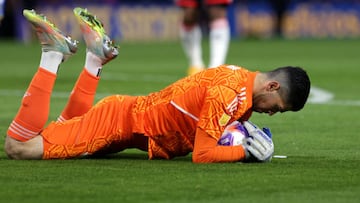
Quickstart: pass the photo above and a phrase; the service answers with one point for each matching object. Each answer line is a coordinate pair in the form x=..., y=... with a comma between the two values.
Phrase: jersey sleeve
x=206, y=150
x=221, y=107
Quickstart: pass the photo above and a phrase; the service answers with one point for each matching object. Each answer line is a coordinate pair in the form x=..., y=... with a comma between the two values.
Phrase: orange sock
x=82, y=96
x=34, y=110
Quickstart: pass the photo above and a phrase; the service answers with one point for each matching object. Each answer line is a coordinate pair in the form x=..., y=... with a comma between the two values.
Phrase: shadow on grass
x=133, y=155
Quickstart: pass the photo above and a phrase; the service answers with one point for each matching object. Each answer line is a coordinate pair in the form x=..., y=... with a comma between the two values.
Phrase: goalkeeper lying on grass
x=187, y=116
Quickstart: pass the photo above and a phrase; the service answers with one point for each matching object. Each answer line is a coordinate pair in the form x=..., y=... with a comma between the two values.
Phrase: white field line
x=163, y=78
x=55, y=94
x=317, y=96
x=321, y=96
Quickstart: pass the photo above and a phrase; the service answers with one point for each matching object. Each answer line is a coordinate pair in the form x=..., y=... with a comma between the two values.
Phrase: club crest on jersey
x=224, y=119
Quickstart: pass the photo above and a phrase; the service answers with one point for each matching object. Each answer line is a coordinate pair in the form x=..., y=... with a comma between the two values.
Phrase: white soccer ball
x=233, y=135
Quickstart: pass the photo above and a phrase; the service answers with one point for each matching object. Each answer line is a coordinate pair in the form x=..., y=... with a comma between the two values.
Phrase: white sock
x=191, y=42
x=93, y=64
x=50, y=60
x=219, y=41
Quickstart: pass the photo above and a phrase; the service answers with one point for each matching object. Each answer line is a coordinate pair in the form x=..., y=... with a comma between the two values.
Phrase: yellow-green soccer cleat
x=95, y=36
x=51, y=38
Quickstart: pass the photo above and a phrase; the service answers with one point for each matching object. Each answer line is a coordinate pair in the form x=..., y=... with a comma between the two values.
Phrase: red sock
x=34, y=110
x=82, y=96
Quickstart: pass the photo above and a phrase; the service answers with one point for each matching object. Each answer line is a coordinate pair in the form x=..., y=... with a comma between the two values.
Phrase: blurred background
x=151, y=20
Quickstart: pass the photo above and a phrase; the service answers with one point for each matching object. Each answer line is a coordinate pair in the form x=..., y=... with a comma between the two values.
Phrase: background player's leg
x=100, y=50
x=34, y=109
x=219, y=35
x=191, y=38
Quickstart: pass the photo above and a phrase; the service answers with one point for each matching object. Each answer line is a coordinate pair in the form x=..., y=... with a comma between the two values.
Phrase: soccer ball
x=233, y=135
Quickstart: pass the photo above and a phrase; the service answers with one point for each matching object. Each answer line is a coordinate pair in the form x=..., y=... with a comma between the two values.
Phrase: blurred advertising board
x=151, y=22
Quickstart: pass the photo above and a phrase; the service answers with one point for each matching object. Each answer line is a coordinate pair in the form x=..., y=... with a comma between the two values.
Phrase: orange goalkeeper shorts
x=104, y=125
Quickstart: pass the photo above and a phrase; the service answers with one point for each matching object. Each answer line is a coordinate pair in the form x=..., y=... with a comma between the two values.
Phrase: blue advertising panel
x=159, y=20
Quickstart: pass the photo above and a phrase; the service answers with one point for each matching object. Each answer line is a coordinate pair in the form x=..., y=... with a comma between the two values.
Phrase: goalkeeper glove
x=258, y=144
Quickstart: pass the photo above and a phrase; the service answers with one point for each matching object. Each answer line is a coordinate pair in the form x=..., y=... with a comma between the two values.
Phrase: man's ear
x=273, y=86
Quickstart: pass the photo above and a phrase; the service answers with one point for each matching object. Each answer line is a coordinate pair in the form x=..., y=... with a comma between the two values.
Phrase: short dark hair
x=295, y=83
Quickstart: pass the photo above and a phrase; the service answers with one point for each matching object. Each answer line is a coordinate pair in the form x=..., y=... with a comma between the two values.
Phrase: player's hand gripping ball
x=257, y=143
x=233, y=135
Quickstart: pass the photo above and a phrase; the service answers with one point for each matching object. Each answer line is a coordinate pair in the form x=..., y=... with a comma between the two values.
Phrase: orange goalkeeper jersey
x=187, y=116
x=196, y=106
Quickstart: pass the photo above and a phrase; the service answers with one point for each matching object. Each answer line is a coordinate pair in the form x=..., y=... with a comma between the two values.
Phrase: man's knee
x=31, y=149
x=190, y=16
x=12, y=148
x=217, y=12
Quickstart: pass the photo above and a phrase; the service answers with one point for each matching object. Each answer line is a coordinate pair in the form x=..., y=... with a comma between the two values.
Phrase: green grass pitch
x=321, y=141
